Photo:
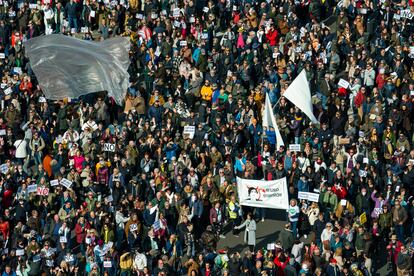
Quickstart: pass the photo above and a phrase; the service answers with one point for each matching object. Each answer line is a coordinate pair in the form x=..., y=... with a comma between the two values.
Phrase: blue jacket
x=198, y=207
x=271, y=137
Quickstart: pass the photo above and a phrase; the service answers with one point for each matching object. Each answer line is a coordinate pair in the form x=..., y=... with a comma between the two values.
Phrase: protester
x=150, y=188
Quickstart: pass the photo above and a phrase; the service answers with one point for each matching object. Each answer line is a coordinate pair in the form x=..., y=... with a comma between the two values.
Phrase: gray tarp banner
x=69, y=67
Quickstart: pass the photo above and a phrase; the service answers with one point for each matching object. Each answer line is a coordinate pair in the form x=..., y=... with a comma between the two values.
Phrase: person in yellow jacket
x=233, y=210
x=125, y=262
x=206, y=91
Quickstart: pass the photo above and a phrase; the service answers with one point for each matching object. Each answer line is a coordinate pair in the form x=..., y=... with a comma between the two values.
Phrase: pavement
x=268, y=232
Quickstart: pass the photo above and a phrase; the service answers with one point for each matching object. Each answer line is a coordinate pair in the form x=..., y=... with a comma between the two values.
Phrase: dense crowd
x=149, y=188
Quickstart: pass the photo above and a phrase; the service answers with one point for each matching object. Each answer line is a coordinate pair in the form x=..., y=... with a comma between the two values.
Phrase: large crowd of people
x=149, y=188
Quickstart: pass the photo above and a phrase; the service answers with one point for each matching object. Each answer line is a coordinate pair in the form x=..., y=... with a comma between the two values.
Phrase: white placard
x=4, y=168
x=362, y=11
x=362, y=173
x=139, y=16
x=36, y=258
x=109, y=147
x=92, y=14
x=66, y=183
x=275, y=55
x=18, y=70
x=19, y=252
x=63, y=239
x=3, y=85
x=294, y=147
x=2, y=55
x=309, y=196
x=54, y=182
x=343, y=202
x=154, y=16
x=191, y=20
x=204, y=35
x=73, y=31
x=406, y=14
x=271, y=246
x=49, y=263
x=189, y=130
x=234, y=8
x=110, y=198
x=12, y=14
x=133, y=227
x=164, y=12
x=2, y=132
x=176, y=12
x=365, y=160
x=107, y=264
x=42, y=99
x=32, y=6
x=206, y=9
x=183, y=43
x=84, y=30
x=32, y=188
x=343, y=83
x=264, y=194
x=8, y=91
x=411, y=161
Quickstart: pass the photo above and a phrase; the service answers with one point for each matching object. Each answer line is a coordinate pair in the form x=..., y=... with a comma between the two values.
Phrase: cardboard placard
x=294, y=147
x=109, y=147
x=344, y=141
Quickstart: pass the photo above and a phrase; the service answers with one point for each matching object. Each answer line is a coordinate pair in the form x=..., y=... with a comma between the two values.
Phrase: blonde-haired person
x=293, y=216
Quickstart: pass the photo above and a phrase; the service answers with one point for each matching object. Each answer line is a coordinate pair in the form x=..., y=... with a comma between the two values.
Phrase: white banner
x=265, y=194
x=299, y=94
x=269, y=120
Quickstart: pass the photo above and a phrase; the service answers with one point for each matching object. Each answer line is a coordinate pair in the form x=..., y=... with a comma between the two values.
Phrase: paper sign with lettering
x=164, y=12
x=107, y=264
x=4, y=168
x=343, y=202
x=183, y=43
x=84, y=29
x=191, y=20
x=2, y=132
x=206, y=9
x=54, y=182
x=406, y=14
x=42, y=191
x=36, y=258
x=63, y=239
x=42, y=99
x=176, y=12
x=92, y=14
x=49, y=263
x=189, y=130
x=294, y=147
x=204, y=35
x=3, y=85
x=66, y=183
x=110, y=198
x=363, y=218
x=133, y=227
x=32, y=6
x=8, y=91
x=32, y=188
x=343, y=83
x=2, y=56
x=19, y=252
x=139, y=16
x=109, y=147
x=154, y=16
x=270, y=246
x=309, y=196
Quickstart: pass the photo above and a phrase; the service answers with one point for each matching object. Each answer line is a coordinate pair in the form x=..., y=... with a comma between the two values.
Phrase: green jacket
x=329, y=200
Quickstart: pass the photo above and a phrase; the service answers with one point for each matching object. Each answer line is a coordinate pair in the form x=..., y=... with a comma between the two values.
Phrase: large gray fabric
x=69, y=67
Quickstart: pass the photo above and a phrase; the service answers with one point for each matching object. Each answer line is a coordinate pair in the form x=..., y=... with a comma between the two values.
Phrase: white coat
x=250, y=232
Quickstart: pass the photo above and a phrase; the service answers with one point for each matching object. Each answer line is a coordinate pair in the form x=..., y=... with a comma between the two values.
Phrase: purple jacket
x=378, y=205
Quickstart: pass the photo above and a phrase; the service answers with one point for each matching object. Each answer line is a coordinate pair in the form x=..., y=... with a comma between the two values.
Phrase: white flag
x=299, y=94
x=269, y=120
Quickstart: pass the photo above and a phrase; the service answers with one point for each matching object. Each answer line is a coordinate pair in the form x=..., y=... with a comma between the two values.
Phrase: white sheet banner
x=269, y=120
x=266, y=194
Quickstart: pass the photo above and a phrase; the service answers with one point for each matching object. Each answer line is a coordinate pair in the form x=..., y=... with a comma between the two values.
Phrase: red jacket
x=81, y=233
x=340, y=192
x=5, y=229
x=359, y=99
x=272, y=37
x=281, y=266
x=214, y=215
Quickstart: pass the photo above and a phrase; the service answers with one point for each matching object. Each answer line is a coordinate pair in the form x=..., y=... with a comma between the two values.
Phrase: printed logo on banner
x=261, y=193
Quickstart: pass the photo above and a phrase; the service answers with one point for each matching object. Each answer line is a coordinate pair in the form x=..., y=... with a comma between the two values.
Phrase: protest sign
x=109, y=147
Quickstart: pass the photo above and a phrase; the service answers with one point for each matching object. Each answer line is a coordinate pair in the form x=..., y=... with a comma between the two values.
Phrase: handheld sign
x=109, y=147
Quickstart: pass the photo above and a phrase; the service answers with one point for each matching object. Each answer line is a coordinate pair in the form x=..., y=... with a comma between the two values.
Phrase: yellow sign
x=363, y=218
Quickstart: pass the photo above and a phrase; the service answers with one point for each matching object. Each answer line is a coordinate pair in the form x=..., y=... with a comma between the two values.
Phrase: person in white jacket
x=250, y=233
x=49, y=19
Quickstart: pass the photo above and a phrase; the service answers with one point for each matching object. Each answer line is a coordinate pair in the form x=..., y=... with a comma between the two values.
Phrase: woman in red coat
x=281, y=261
x=81, y=230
